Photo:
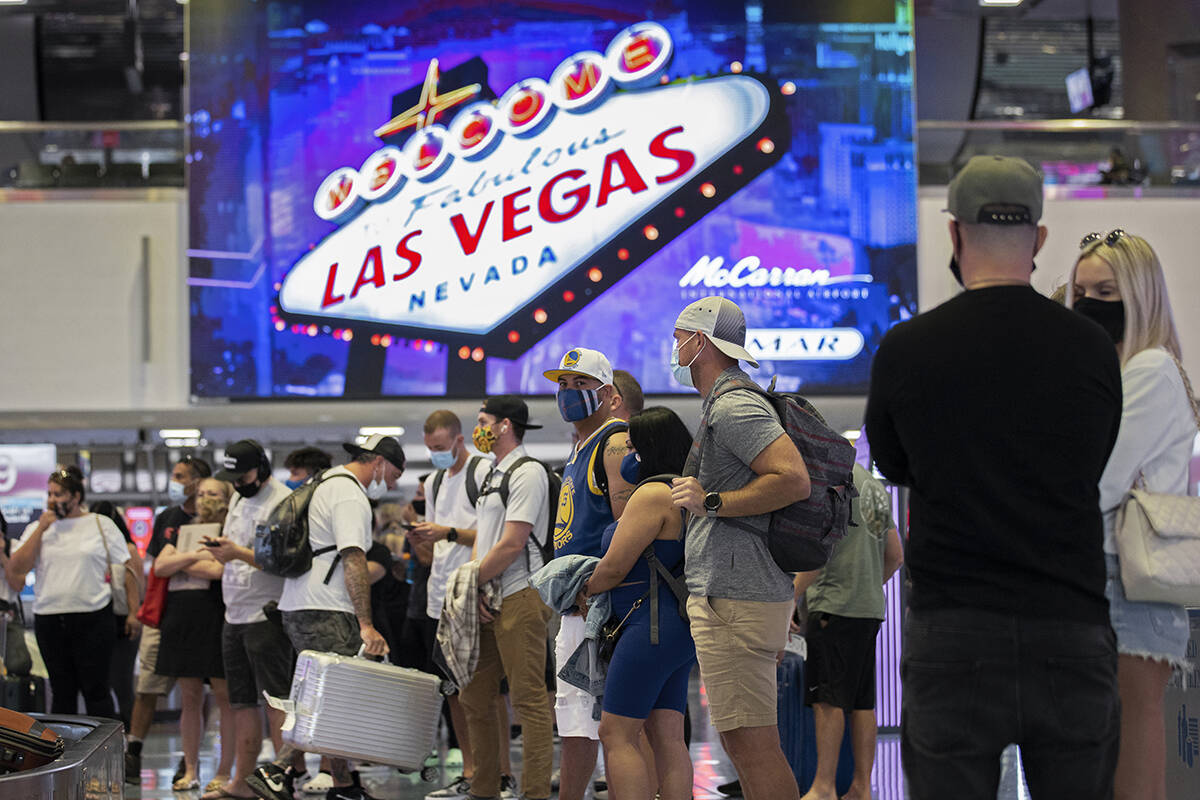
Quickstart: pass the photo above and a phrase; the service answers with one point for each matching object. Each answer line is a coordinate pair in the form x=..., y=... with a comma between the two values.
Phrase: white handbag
x=1158, y=542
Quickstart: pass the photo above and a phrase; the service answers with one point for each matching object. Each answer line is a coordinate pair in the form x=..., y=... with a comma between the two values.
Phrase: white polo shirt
x=245, y=588
x=340, y=515
x=452, y=508
x=72, y=566
x=528, y=490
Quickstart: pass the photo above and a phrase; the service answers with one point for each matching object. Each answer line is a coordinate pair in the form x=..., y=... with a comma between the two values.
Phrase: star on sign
x=431, y=104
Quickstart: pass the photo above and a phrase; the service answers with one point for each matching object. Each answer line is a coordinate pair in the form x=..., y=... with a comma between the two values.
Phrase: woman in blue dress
x=647, y=683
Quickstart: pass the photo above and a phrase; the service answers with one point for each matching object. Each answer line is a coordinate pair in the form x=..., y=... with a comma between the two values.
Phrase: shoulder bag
x=1158, y=540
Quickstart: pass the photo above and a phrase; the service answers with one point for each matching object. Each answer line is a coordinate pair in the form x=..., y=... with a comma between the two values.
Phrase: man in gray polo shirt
x=742, y=465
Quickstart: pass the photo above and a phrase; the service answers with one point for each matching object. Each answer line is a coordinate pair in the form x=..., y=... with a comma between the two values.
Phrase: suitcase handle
x=362, y=653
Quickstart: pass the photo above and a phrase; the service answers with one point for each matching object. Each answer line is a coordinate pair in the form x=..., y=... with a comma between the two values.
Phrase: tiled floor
x=712, y=767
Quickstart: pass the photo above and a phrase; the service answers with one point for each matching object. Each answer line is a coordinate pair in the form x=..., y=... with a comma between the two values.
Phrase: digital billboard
x=439, y=199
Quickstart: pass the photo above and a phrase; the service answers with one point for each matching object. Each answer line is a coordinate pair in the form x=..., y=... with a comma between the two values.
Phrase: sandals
x=216, y=783
x=185, y=785
x=221, y=793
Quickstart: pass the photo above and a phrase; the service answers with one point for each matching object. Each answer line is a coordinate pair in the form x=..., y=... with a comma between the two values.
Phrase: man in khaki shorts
x=743, y=466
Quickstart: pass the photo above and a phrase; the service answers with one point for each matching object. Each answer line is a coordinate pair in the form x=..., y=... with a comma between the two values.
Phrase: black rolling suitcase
x=26, y=694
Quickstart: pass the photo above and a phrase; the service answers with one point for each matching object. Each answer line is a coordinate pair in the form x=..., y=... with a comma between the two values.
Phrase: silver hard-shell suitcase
x=364, y=710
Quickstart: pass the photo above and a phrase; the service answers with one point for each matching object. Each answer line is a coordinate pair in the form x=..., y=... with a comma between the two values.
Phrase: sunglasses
x=1112, y=238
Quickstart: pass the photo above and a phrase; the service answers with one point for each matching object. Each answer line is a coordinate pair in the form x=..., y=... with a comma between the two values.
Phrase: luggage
x=26, y=743
x=797, y=730
x=363, y=710
x=26, y=694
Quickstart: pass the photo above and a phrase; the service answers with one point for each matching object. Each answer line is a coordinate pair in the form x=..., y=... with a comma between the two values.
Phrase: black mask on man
x=1110, y=314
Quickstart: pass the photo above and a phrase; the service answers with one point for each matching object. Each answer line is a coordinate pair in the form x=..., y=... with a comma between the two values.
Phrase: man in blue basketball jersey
x=593, y=495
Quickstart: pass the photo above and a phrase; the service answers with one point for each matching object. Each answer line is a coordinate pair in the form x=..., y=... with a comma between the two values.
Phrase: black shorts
x=258, y=658
x=840, y=668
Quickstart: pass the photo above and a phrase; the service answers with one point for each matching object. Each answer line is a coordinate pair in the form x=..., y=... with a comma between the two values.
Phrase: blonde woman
x=1118, y=282
x=191, y=627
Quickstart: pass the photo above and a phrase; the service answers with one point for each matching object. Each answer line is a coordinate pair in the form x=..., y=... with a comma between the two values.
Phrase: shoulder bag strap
x=112, y=578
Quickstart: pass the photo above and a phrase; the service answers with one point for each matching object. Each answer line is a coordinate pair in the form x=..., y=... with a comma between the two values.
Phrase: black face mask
x=1110, y=314
x=248, y=490
x=419, y=507
x=62, y=510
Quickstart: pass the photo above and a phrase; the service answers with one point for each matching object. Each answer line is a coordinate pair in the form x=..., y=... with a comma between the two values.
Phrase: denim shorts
x=1157, y=631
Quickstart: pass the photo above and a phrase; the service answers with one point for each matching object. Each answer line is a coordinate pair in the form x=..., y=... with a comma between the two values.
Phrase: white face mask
x=683, y=372
x=377, y=488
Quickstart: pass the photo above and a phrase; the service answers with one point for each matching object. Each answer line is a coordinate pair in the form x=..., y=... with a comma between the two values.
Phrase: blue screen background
x=282, y=93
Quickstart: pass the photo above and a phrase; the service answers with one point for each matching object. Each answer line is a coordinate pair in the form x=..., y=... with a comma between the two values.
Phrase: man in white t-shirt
x=512, y=642
x=328, y=608
x=257, y=653
x=450, y=496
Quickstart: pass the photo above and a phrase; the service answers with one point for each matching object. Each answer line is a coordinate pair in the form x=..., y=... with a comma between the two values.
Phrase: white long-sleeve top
x=1156, y=436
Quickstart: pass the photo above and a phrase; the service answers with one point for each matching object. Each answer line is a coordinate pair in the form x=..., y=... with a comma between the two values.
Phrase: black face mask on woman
x=1110, y=314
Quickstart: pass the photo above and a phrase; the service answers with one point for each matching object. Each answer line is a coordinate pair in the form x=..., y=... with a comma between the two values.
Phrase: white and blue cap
x=582, y=361
x=722, y=321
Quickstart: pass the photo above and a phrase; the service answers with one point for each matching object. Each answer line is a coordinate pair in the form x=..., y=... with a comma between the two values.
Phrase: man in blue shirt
x=593, y=496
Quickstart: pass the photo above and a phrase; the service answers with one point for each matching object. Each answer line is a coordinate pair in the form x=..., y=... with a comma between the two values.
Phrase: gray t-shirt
x=722, y=560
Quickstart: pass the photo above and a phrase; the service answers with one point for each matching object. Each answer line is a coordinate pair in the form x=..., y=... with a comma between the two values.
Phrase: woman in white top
x=1118, y=282
x=73, y=554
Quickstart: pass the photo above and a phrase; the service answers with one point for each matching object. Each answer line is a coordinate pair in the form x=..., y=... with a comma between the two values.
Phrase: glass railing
x=91, y=155
x=1071, y=152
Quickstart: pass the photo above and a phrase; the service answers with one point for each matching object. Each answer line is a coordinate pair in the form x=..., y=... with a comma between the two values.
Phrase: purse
x=155, y=601
x=1158, y=542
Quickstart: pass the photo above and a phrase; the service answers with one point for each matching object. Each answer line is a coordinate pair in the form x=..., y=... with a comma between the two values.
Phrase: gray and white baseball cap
x=720, y=319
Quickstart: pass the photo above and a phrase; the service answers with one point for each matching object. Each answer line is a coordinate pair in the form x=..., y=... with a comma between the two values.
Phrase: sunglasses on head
x=1112, y=238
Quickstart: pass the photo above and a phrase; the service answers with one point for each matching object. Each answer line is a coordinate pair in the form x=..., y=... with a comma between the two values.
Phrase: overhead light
x=13, y=2
x=1000, y=3
x=175, y=433
x=367, y=432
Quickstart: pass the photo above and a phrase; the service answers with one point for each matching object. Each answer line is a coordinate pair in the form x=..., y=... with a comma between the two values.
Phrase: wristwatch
x=452, y=536
x=712, y=503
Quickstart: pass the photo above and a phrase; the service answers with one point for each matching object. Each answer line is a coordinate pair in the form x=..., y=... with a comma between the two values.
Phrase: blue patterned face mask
x=631, y=469
x=578, y=404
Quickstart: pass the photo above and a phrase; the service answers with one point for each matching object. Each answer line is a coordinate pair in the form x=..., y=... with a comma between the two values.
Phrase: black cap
x=510, y=407
x=380, y=445
x=240, y=458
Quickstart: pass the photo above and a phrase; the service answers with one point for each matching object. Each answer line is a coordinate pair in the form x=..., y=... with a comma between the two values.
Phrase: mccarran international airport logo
x=493, y=222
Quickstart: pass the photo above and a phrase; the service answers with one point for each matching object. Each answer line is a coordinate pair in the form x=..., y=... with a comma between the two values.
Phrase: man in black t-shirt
x=185, y=480
x=999, y=409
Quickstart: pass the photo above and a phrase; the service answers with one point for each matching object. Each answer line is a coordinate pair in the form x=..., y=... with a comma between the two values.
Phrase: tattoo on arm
x=624, y=494
x=358, y=583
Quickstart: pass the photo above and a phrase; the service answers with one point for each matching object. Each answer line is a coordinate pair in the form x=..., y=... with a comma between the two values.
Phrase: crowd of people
x=1018, y=422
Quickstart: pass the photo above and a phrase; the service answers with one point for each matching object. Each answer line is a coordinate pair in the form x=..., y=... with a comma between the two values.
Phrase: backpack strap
x=503, y=490
x=673, y=582
x=320, y=551
x=658, y=570
x=436, y=486
x=472, y=482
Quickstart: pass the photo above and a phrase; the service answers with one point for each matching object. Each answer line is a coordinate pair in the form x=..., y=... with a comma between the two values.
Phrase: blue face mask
x=578, y=404
x=293, y=485
x=176, y=493
x=442, y=459
x=631, y=469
